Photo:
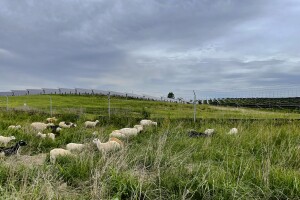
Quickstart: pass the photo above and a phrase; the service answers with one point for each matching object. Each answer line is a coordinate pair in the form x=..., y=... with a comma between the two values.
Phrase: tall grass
x=261, y=162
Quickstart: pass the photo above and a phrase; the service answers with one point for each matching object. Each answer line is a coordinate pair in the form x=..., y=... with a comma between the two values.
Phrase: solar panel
x=19, y=92
x=67, y=91
x=50, y=91
x=101, y=92
x=35, y=91
x=83, y=91
x=6, y=93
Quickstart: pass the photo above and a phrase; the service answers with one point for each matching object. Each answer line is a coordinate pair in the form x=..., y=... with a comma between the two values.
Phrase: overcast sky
x=149, y=46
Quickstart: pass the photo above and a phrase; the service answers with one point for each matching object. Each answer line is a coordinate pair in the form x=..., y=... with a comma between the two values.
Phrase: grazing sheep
x=55, y=129
x=51, y=120
x=13, y=149
x=233, y=131
x=14, y=127
x=75, y=147
x=117, y=134
x=90, y=124
x=54, y=153
x=41, y=135
x=51, y=136
x=116, y=140
x=209, y=132
x=147, y=122
x=66, y=124
x=6, y=140
x=107, y=146
x=40, y=126
x=139, y=128
x=193, y=133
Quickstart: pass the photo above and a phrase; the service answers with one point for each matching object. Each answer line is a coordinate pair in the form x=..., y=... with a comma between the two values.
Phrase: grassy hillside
x=261, y=162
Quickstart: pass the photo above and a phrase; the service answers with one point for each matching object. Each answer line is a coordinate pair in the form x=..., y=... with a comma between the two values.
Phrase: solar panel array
x=82, y=91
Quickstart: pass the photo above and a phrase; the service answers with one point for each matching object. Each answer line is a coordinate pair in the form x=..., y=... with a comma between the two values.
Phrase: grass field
x=261, y=162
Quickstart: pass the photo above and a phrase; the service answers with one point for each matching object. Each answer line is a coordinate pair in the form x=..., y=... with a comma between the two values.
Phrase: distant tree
x=171, y=95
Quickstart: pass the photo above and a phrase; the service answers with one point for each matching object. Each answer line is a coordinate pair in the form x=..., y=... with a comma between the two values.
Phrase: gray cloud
x=149, y=46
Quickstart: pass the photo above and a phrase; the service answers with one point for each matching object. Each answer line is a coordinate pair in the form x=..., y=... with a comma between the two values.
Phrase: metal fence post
x=109, y=105
x=50, y=106
x=6, y=103
x=194, y=107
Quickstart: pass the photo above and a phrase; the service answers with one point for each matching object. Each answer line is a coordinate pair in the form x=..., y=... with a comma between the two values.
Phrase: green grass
x=261, y=162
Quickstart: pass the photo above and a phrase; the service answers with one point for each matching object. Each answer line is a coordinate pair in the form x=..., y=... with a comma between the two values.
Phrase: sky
x=150, y=46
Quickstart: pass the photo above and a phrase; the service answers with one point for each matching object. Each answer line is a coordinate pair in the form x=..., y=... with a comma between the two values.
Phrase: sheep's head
x=50, y=124
x=154, y=123
x=12, y=137
x=97, y=121
x=22, y=143
x=96, y=140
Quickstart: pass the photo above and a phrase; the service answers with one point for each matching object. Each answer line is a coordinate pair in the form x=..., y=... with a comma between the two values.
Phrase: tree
x=171, y=95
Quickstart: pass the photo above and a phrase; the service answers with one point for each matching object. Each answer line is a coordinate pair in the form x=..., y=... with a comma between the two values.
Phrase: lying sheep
x=233, y=131
x=117, y=134
x=54, y=153
x=209, y=132
x=75, y=147
x=51, y=120
x=66, y=124
x=107, y=146
x=41, y=135
x=51, y=136
x=90, y=124
x=40, y=126
x=147, y=122
x=6, y=140
x=14, y=127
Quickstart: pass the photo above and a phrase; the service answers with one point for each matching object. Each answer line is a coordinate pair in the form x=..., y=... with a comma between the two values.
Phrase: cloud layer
x=150, y=46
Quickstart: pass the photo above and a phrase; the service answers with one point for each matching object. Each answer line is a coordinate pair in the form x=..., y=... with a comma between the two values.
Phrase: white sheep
x=66, y=124
x=40, y=126
x=75, y=147
x=54, y=153
x=90, y=124
x=116, y=140
x=51, y=119
x=233, y=131
x=107, y=146
x=139, y=128
x=6, y=140
x=209, y=132
x=41, y=135
x=147, y=122
x=51, y=136
x=128, y=132
x=14, y=127
x=117, y=134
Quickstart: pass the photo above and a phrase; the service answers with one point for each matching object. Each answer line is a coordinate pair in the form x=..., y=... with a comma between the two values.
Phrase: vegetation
x=261, y=162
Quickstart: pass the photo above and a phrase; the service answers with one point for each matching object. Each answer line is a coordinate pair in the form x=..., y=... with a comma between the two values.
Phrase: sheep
x=147, y=122
x=209, y=132
x=51, y=119
x=41, y=135
x=75, y=147
x=54, y=153
x=139, y=128
x=51, y=136
x=66, y=124
x=107, y=146
x=233, y=131
x=14, y=127
x=116, y=140
x=117, y=134
x=129, y=131
x=6, y=140
x=90, y=124
x=13, y=149
x=40, y=126
x=55, y=129
x=193, y=133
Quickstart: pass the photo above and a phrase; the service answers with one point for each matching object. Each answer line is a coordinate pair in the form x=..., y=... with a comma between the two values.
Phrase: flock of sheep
x=114, y=142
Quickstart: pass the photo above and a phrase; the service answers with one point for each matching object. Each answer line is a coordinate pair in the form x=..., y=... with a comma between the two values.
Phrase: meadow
x=261, y=162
